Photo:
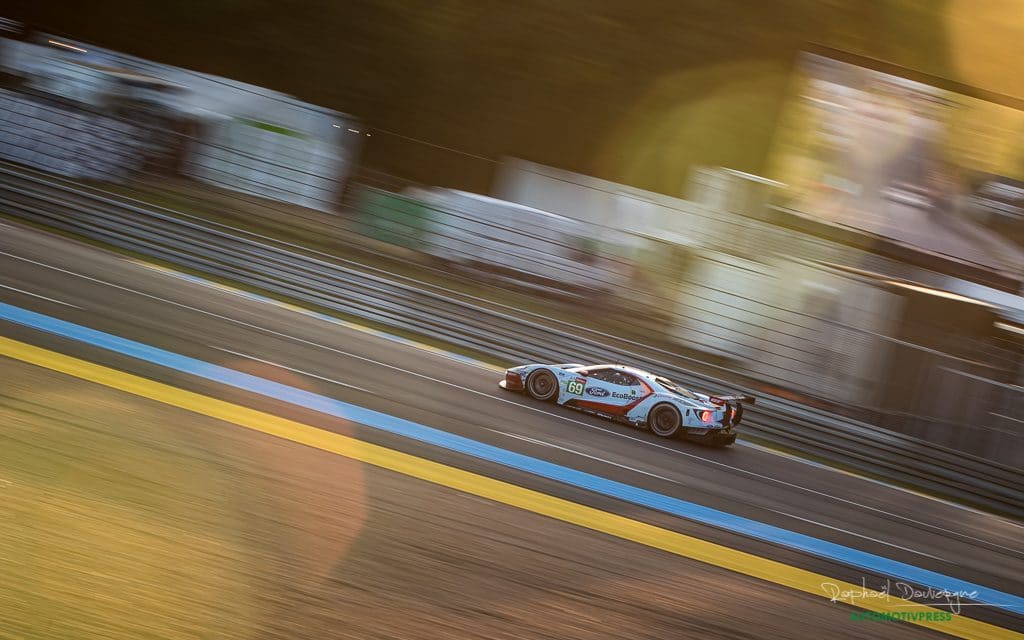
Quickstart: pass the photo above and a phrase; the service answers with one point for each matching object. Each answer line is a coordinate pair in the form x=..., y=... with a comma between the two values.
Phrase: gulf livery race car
x=633, y=396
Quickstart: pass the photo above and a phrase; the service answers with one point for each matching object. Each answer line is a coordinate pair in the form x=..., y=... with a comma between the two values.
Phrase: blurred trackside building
x=86, y=112
x=829, y=311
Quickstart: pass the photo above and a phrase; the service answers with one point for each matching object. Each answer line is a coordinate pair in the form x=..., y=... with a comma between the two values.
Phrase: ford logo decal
x=597, y=391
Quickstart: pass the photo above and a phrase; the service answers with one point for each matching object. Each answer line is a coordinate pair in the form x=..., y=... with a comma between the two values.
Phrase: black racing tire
x=665, y=421
x=542, y=385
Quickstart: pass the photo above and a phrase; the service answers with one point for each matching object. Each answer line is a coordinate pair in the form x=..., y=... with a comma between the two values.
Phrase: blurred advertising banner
x=926, y=161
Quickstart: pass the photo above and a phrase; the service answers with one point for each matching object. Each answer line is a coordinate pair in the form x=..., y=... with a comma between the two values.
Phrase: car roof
x=627, y=369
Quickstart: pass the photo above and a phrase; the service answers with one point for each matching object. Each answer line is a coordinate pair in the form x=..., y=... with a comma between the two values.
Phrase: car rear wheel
x=664, y=420
x=542, y=385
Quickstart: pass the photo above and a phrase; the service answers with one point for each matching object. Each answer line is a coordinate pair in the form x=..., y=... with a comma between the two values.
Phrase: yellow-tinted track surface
x=502, y=492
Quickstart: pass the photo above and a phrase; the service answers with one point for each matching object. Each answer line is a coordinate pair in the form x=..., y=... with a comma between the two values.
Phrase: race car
x=636, y=397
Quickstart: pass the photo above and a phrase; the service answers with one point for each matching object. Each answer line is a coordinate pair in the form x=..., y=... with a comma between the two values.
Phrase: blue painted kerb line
x=452, y=442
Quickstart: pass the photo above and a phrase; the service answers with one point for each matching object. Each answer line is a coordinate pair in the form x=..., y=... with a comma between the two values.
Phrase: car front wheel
x=542, y=385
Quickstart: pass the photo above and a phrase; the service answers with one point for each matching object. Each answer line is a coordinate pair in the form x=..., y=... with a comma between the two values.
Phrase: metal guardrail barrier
x=507, y=334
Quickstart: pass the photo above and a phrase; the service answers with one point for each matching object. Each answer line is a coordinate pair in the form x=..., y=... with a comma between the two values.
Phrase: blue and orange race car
x=633, y=396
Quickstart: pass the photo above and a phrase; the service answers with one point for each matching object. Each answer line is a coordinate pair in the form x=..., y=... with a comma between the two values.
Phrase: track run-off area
x=385, y=439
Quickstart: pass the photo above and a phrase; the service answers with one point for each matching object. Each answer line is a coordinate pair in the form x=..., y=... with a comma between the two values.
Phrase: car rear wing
x=737, y=399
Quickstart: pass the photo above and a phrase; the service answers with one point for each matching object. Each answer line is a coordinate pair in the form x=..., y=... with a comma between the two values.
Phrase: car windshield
x=674, y=388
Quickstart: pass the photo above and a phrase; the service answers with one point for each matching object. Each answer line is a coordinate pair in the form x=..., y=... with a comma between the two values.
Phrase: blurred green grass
x=113, y=524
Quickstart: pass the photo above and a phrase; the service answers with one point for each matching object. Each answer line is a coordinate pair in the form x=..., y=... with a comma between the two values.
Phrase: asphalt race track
x=427, y=560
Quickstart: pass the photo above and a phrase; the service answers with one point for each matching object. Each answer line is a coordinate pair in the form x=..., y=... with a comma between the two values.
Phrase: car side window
x=612, y=376
x=626, y=379
x=604, y=375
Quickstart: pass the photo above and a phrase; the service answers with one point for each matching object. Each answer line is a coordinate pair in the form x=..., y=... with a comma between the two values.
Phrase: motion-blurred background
x=820, y=203
x=824, y=199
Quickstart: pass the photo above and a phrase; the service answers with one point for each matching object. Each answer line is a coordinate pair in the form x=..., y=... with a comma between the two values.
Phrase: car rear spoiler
x=738, y=399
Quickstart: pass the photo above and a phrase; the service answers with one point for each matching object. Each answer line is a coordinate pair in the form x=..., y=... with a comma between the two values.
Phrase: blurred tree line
x=627, y=91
